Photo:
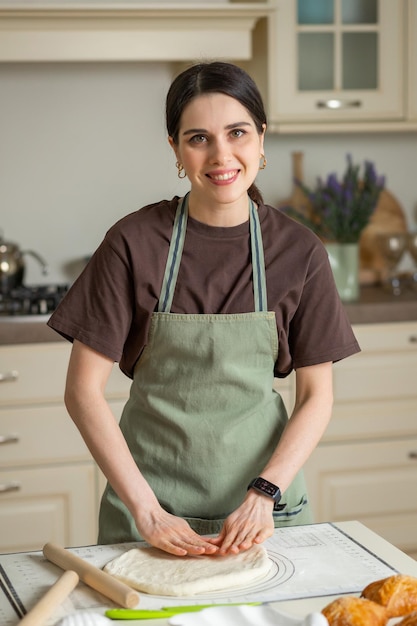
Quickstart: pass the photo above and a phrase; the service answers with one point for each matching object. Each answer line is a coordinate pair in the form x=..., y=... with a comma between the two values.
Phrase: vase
x=344, y=261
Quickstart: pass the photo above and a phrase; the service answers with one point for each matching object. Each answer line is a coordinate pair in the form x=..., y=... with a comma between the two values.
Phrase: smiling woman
x=217, y=294
x=220, y=147
x=220, y=157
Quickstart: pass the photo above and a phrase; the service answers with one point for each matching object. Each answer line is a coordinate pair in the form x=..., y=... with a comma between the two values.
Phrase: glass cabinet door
x=337, y=44
x=338, y=55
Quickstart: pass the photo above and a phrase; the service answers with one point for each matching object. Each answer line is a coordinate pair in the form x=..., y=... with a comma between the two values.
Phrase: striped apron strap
x=175, y=254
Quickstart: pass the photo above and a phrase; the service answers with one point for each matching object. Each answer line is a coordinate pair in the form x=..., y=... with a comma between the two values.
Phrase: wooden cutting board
x=388, y=217
x=297, y=200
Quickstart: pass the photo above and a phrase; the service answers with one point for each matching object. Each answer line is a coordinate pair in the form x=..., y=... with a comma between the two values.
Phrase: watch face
x=266, y=487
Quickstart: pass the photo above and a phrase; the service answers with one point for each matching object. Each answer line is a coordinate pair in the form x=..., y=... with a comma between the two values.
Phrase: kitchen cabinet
x=286, y=389
x=365, y=467
x=49, y=485
x=323, y=67
x=338, y=65
x=36, y=31
x=412, y=64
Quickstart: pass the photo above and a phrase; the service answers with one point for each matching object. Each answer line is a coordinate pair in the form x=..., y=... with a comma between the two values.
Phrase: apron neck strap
x=174, y=257
x=258, y=261
x=175, y=254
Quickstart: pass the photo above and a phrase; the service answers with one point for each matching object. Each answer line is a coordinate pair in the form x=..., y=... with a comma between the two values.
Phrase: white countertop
x=359, y=538
x=373, y=542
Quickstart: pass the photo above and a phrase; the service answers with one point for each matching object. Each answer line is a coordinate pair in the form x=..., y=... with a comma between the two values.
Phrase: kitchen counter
x=370, y=540
x=390, y=556
x=373, y=306
x=26, y=329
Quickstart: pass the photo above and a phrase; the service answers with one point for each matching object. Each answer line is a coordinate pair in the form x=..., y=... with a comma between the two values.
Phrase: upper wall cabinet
x=127, y=31
x=412, y=64
x=339, y=62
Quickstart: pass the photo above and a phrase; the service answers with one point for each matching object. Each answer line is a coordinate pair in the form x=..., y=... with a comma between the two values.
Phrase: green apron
x=203, y=418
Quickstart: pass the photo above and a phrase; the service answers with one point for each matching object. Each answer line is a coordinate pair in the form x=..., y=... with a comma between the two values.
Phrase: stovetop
x=32, y=300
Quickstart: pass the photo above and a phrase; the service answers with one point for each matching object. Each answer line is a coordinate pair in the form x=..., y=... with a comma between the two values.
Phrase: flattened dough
x=156, y=572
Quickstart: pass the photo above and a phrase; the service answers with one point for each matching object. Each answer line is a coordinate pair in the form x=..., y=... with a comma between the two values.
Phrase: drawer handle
x=413, y=339
x=8, y=439
x=334, y=103
x=412, y=455
x=8, y=377
x=7, y=487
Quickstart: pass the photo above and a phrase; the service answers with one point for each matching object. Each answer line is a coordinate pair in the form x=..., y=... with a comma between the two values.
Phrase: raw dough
x=159, y=573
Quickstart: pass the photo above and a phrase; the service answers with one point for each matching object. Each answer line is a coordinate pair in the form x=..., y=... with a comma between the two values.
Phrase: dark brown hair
x=215, y=77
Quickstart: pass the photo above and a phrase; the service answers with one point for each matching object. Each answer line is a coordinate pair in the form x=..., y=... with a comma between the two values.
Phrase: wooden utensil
x=297, y=200
x=51, y=600
x=92, y=576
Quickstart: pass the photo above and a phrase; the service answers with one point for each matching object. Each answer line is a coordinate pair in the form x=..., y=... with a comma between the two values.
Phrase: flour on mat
x=156, y=572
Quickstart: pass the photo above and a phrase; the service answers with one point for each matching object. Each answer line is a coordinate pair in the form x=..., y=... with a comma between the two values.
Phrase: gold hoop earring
x=180, y=169
x=264, y=162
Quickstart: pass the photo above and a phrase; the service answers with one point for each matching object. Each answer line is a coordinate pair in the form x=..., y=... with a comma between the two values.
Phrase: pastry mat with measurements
x=307, y=561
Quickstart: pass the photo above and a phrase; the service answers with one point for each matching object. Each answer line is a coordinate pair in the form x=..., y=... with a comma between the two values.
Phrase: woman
x=202, y=301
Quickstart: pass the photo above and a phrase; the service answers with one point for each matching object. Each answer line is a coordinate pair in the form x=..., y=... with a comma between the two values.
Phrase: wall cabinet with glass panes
x=333, y=61
x=412, y=60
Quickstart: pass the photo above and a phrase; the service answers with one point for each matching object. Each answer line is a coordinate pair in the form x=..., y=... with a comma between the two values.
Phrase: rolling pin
x=52, y=598
x=92, y=576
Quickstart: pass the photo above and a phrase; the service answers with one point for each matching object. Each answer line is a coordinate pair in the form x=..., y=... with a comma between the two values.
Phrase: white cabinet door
x=375, y=391
x=49, y=484
x=336, y=61
x=365, y=468
x=39, y=435
x=38, y=505
x=286, y=389
x=412, y=59
x=374, y=483
x=38, y=370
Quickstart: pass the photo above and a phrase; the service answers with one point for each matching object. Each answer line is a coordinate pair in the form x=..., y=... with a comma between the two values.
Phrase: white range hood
x=127, y=31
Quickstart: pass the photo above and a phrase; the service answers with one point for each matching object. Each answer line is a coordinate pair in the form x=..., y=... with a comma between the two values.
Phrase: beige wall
x=81, y=145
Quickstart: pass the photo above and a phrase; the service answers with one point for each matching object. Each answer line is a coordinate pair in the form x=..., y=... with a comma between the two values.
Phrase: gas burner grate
x=32, y=299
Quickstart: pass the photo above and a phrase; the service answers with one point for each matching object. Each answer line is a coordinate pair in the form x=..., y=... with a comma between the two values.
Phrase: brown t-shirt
x=110, y=305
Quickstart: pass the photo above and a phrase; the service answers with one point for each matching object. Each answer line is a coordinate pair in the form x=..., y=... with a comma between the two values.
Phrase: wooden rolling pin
x=51, y=600
x=92, y=576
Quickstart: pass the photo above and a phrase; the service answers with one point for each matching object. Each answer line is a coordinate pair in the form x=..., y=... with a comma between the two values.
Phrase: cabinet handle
x=8, y=439
x=412, y=455
x=333, y=103
x=7, y=487
x=413, y=339
x=8, y=377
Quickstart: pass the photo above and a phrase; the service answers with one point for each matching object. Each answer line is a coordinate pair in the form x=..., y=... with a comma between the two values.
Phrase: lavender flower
x=341, y=210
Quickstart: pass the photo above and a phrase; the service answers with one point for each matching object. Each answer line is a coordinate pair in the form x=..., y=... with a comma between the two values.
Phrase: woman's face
x=219, y=147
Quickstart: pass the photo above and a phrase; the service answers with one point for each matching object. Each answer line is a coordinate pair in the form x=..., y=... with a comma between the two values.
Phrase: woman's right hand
x=172, y=534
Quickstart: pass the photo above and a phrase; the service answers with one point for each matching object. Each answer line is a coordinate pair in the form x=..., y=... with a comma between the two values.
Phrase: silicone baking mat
x=306, y=561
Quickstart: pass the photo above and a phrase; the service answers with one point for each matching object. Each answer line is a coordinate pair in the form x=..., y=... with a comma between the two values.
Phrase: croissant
x=409, y=620
x=353, y=611
x=398, y=594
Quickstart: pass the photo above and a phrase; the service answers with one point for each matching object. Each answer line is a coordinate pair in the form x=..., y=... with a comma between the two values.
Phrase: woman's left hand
x=251, y=523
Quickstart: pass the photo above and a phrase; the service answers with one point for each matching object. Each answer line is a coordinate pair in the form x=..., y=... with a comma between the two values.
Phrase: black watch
x=267, y=489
